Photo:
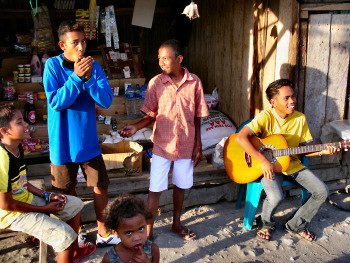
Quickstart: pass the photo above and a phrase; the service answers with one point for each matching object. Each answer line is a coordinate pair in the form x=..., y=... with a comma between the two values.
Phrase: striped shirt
x=174, y=109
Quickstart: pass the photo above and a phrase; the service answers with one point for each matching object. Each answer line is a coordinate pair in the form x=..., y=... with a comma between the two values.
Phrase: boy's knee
x=321, y=193
x=275, y=200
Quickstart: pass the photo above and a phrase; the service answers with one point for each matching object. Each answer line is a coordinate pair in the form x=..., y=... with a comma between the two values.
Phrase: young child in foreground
x=126, y=217
x=25, y=208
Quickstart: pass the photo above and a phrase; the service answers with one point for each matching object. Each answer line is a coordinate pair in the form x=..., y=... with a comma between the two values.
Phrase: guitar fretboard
x=303, y=149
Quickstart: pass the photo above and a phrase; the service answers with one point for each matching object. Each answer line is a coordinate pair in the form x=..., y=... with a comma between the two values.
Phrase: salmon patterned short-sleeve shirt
x=174, y=109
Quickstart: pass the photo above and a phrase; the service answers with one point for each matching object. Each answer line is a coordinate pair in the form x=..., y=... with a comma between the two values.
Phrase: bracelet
x=50, y=195
x=46, y=197
x=42, y=194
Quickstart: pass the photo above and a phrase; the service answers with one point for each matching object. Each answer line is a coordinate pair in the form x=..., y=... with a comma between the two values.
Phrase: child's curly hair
x=125, y=206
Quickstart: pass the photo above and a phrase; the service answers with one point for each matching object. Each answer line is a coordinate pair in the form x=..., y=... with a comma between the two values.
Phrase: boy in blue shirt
x=73, y=85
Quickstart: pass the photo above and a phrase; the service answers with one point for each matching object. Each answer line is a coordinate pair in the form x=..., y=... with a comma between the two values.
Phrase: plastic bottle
x=130, y=101
x=44, y=58
x=26, y=108
x=137, y=98
x=8, y=89
x=31, y=111
x=35, y=65
x=142, y=98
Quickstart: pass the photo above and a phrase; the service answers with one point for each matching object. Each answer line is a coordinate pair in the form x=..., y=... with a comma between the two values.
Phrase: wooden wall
x=240, y=47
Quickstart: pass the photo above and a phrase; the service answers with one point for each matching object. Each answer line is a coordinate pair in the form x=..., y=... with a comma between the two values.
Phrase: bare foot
x=186, y=233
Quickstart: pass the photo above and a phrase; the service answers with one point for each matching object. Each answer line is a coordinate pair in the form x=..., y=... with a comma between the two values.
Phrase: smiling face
x=132, y=232
x=18, y=128
x=73, y=45
x=168, y=62
x=284, y=101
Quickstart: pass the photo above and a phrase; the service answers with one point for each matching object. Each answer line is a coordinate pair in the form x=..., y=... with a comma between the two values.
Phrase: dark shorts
x=64, y=177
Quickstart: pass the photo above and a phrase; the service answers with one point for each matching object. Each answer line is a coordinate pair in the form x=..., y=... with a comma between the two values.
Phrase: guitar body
x=242, y=168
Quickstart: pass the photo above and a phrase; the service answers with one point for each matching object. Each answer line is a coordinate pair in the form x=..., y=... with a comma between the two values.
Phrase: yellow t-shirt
x=294, y=128
x=13, y=178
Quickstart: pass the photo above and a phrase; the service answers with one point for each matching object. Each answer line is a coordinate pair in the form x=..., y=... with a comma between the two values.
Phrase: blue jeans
x=304, y=178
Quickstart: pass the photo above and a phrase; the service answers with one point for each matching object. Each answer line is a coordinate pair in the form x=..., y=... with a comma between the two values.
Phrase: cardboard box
x=124, y=158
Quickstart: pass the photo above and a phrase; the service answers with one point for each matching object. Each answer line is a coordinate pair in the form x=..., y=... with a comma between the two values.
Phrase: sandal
x=186, y=233
x=89, y=248
x=264, y=232
x=306, y=235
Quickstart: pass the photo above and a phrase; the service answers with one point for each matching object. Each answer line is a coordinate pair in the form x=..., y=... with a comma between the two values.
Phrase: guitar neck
x=303, y=149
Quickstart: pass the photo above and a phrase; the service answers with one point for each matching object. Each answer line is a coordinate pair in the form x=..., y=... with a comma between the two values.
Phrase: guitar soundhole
x=269, y=155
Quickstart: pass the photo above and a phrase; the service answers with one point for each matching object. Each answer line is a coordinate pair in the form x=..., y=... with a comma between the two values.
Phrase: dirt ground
x=220, y=237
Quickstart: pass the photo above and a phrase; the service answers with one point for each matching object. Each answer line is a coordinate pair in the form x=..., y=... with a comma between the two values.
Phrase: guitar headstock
x=345, y=145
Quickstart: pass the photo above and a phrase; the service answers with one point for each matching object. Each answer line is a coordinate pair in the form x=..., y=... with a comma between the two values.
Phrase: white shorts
x=182, y=173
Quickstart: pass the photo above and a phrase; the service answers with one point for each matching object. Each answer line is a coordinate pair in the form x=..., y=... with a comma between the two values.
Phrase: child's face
x=132, y=232
x=18, y=128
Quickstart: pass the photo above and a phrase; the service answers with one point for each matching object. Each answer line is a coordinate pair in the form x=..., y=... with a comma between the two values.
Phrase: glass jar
x=20, y=69
x=27, y=78
x=27, y=69
x=21, y=78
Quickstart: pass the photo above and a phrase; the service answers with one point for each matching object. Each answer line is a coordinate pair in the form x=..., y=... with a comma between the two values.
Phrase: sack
x=215, y=127
x=212, y=99
x=218, y=154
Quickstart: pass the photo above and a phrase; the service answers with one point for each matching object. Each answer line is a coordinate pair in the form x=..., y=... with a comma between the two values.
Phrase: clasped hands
x=83, y=67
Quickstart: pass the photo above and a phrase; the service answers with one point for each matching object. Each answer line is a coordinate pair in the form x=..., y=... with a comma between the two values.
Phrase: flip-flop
x=300, y=235
x=265, y=232
x=186, y=234
x=89, y=248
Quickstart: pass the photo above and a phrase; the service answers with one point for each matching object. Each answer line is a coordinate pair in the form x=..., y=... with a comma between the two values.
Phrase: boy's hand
x=83, y=67
x=54, y=207
x=267, y=168
x=140, y=256
x=196, y=154
x=330, y=150
x=127, y=131
x=59, y=197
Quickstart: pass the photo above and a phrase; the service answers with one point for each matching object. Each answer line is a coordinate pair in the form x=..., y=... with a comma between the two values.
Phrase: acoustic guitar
x=242, y=168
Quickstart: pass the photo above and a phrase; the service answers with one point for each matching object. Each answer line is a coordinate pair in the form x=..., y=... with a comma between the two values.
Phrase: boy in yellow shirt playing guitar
x=283, y=119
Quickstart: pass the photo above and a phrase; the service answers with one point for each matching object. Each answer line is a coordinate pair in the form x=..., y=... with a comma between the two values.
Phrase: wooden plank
x=211, y=43
x=226, y=104
x=302, y=65
x=260, y=24
x=237, y=59
x=270, y=52
x=337, y=72
x=293, y=54
x=338, y=67
x=316, y=72
x=325, y=7
x=247, y=63
x=219, y=54
x=285, y=28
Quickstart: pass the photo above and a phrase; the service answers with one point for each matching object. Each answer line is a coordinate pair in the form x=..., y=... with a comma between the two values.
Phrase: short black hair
x=273, y=88
x=175, y=45
x=123, y=207
x=7, y=111
x=68, y=26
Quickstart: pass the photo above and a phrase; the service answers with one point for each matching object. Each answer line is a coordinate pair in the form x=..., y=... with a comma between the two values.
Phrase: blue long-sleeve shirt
x=71, y=111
